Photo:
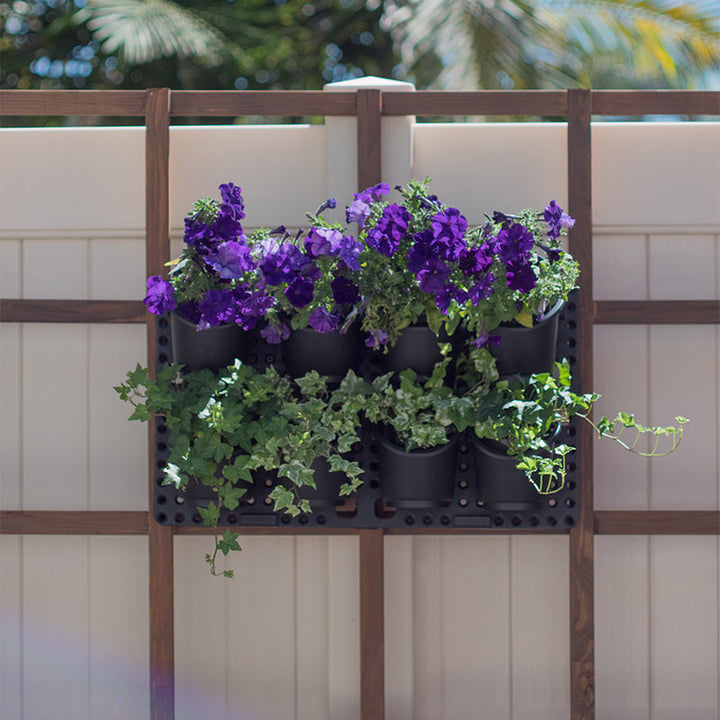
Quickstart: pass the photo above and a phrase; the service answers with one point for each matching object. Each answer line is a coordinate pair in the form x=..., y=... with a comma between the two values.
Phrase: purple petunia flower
x=376, y=338
x=514, y=244
x=477, y=259
x=359, y=209
x=198, y=234
x=520, y=276
x=232, y=197
x=449, y=229
x=281, y=263
x=433, y=275
x=482, y=289
x=449, y=293
x=252, y=308
x=556, y=219
x=392, y=226
x=486, y=339
x=322, y=241
x=323, y=321
x=275, y=334
x=345, y=292
x=421, y=252
x=300, y=292
x=230, y=260
x=160, y=297
x=216, y=308
x=348, y=251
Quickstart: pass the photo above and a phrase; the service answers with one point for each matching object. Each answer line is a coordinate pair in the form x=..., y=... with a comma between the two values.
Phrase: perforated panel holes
x=179, y=518
x=163, y=340
x=427, y=519
x=161, y=499
x=462, y=502
x=161, y=517
x=552, y=502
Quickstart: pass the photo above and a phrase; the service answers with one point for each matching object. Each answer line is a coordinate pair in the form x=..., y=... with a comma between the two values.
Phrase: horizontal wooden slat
x=678, y=522
x=655, y=102
x=117, y=103
x=71, y=311
x=657, y=312
x=228, y=103
x=68, y=522
x=481, y=102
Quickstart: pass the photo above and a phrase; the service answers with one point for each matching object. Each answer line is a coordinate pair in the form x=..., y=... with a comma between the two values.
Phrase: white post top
x=369, y=82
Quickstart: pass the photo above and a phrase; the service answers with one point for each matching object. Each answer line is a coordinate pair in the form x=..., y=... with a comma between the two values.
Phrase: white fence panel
x=467, y=618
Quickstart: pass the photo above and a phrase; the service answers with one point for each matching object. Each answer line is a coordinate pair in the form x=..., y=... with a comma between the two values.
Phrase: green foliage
x=227, y=428
x=525, y=413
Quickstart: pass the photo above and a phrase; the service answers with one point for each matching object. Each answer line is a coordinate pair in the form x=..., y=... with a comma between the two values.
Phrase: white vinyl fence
x=476, y=627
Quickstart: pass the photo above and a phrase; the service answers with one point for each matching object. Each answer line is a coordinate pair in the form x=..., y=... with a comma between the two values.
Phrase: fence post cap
x=370, y=81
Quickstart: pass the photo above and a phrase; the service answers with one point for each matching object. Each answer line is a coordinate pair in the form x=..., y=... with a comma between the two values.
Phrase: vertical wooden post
x=369, y=142
x=582, y=629
x=372, y=626
x=160, y=539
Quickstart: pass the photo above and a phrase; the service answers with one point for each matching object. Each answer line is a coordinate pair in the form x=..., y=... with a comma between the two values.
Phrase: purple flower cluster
x=390, y=229
x=359, y=209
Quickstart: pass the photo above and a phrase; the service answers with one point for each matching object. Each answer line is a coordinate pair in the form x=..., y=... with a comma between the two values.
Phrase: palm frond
x=144, y=30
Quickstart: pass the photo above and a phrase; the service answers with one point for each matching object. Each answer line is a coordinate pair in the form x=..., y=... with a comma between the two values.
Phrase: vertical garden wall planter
x=528, y=350
x=331, y=354
x=500, y=485
x=214, y=348
x=417, y=479
x=417, y=348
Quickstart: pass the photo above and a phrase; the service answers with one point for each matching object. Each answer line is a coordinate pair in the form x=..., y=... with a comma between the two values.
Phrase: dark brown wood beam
x=73, y=522
x=160, y=539
x=72, y=311
x=229, y=103
x=372, y=626
x=581, y=546
x=639, y=522
x=657, y=312
x=369, y=138
x=481, y=102
x=115, y=103
x=655, y=102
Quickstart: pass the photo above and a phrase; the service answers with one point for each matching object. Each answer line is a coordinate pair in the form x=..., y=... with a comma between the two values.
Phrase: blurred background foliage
x=303, y=44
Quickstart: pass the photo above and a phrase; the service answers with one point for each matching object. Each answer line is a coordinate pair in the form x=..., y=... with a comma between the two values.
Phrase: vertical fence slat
x=582, y=635
x=372, y=632
x=157, y=194
x=369, y=144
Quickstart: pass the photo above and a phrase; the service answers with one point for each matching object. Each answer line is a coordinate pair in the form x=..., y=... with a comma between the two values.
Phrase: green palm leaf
x=557, y=43
x=144, y=30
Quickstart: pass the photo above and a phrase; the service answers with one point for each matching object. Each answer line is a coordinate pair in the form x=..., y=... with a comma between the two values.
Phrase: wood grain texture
x=483, y=102
x=72, y=311
x=369, y=138
x=655, y=102
x=229, y=103
x=661, y=312
x=119, y=103
x=372, y=626
x=671, y=522
x=68, y=522
x=157, y=253
x=582, y=640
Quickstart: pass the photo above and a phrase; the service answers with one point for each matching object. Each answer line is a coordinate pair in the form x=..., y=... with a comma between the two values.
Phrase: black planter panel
x=467, y=507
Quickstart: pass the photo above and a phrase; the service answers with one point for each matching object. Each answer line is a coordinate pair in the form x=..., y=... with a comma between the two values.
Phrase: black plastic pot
x=500, y=485
x=214, y=348
x=331, y=354
x=416, y=479
x=327, y=486
x=417, y=348
x=524, y=351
